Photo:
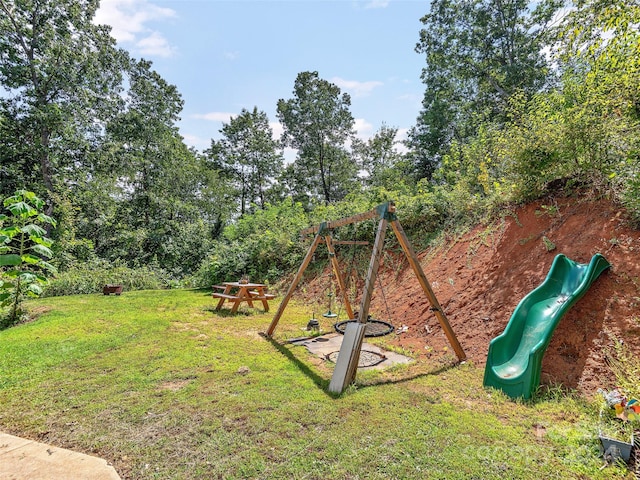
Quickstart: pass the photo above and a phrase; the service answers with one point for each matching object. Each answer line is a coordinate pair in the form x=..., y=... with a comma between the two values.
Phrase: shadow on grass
x=225, y=312
x=324, y=384
x=435, y=372
x=315, y=378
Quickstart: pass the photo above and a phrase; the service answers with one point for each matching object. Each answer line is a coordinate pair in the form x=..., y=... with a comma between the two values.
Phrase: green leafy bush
x=263, y=245
x=630, y=191
x=93, y=276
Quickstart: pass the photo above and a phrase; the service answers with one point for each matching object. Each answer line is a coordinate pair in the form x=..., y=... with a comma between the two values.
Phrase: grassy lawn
x=162, y=386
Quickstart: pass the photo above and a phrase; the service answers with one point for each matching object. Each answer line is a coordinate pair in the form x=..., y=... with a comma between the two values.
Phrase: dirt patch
x=480, y=277
x=174, y=385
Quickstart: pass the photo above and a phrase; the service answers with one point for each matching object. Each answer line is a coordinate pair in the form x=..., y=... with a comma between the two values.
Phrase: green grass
x=162, y=386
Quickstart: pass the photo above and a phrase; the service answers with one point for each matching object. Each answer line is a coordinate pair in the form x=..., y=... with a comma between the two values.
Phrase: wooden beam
x=294, y=284
x=422, y=279
x=372, y=273
x=350, y=242
x=376, y=212
x=347, y=363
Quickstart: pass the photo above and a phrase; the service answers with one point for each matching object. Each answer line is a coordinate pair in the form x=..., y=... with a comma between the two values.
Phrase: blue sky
x=224, y=56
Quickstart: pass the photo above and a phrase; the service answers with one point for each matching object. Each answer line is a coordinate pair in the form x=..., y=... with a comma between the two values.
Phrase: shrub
x=91, y=277
x=630, y=191
x=263, y=245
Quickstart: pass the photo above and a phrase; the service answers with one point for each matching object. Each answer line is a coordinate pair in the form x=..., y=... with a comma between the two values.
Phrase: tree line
x=515, y=98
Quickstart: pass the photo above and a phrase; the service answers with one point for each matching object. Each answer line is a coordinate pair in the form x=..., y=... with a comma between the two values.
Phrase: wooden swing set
x=347, y=362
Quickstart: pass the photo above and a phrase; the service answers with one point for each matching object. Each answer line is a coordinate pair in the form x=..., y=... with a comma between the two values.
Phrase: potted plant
x=619, y=417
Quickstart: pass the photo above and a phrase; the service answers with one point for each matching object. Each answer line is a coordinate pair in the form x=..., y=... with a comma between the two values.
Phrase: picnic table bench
x=237, y=292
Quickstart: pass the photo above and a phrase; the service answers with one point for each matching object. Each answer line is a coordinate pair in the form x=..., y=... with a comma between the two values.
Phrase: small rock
x=243, y=371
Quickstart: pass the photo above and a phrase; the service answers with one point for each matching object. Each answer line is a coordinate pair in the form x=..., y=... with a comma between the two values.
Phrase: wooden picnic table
x=237, y=292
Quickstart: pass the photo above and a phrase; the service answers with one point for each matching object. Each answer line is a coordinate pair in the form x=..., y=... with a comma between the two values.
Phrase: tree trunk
x=45, y=169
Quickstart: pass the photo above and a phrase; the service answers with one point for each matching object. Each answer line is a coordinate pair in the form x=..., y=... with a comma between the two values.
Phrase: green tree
x=380, y=162
x=599, y=53
x=23, y=250
x=263, y=244
x=159, y=179
x=61, y=74
x=249, y=156
x=478, y=53
x=317, y=122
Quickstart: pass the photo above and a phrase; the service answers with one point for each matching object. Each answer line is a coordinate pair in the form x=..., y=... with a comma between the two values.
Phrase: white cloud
x=277, y=129
x=290, y=154
x=155, y=45
x=364, y=129
x=358, y=89
x=377, y=4
x=215, y=116
x=403, y=134
x=196, y=142
x=231, y=55
x=128, y=20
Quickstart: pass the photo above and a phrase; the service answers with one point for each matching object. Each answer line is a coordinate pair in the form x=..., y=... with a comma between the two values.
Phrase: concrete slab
x=329, y=344
x=22, y=459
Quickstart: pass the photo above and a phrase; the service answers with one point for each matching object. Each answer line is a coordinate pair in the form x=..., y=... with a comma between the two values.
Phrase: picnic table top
x=244, y=285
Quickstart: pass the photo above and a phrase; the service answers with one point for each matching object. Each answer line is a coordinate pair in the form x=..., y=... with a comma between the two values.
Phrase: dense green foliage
x=478, y=54
x=263, y=246
x=92, y=276
x=518, y=102
x=24, y=251
x=248, y=158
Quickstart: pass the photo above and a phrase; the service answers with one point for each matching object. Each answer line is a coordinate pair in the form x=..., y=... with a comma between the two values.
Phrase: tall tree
x=61, y=74
x=145, y=134
x=599, y=52
x=478, y=54
x=380, y=160
x=160, y=179
x=317, y=122
x=249, y=156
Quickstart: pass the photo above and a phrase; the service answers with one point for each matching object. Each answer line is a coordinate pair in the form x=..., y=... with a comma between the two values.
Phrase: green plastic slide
x=515, y=356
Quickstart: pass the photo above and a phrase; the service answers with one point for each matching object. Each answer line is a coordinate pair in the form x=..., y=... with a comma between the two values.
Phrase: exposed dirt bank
x=480, y=277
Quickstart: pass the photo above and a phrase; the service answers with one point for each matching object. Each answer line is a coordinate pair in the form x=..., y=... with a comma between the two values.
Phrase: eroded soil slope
x=480, y=277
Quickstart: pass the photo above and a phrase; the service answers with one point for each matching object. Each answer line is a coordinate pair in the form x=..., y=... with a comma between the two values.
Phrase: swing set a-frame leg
x=294, y=284
x=349, y=354
x=424, y=283
x=298, y=277
x=339, y=277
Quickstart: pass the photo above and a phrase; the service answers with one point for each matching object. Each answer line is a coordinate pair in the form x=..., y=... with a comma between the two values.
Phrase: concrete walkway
x=22, y=459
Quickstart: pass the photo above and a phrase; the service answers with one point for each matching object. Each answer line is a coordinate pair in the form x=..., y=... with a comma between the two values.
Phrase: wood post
x=294, y=284
x=422, y=278
x=339, y=277
x=349, y=355
x=372, y=273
